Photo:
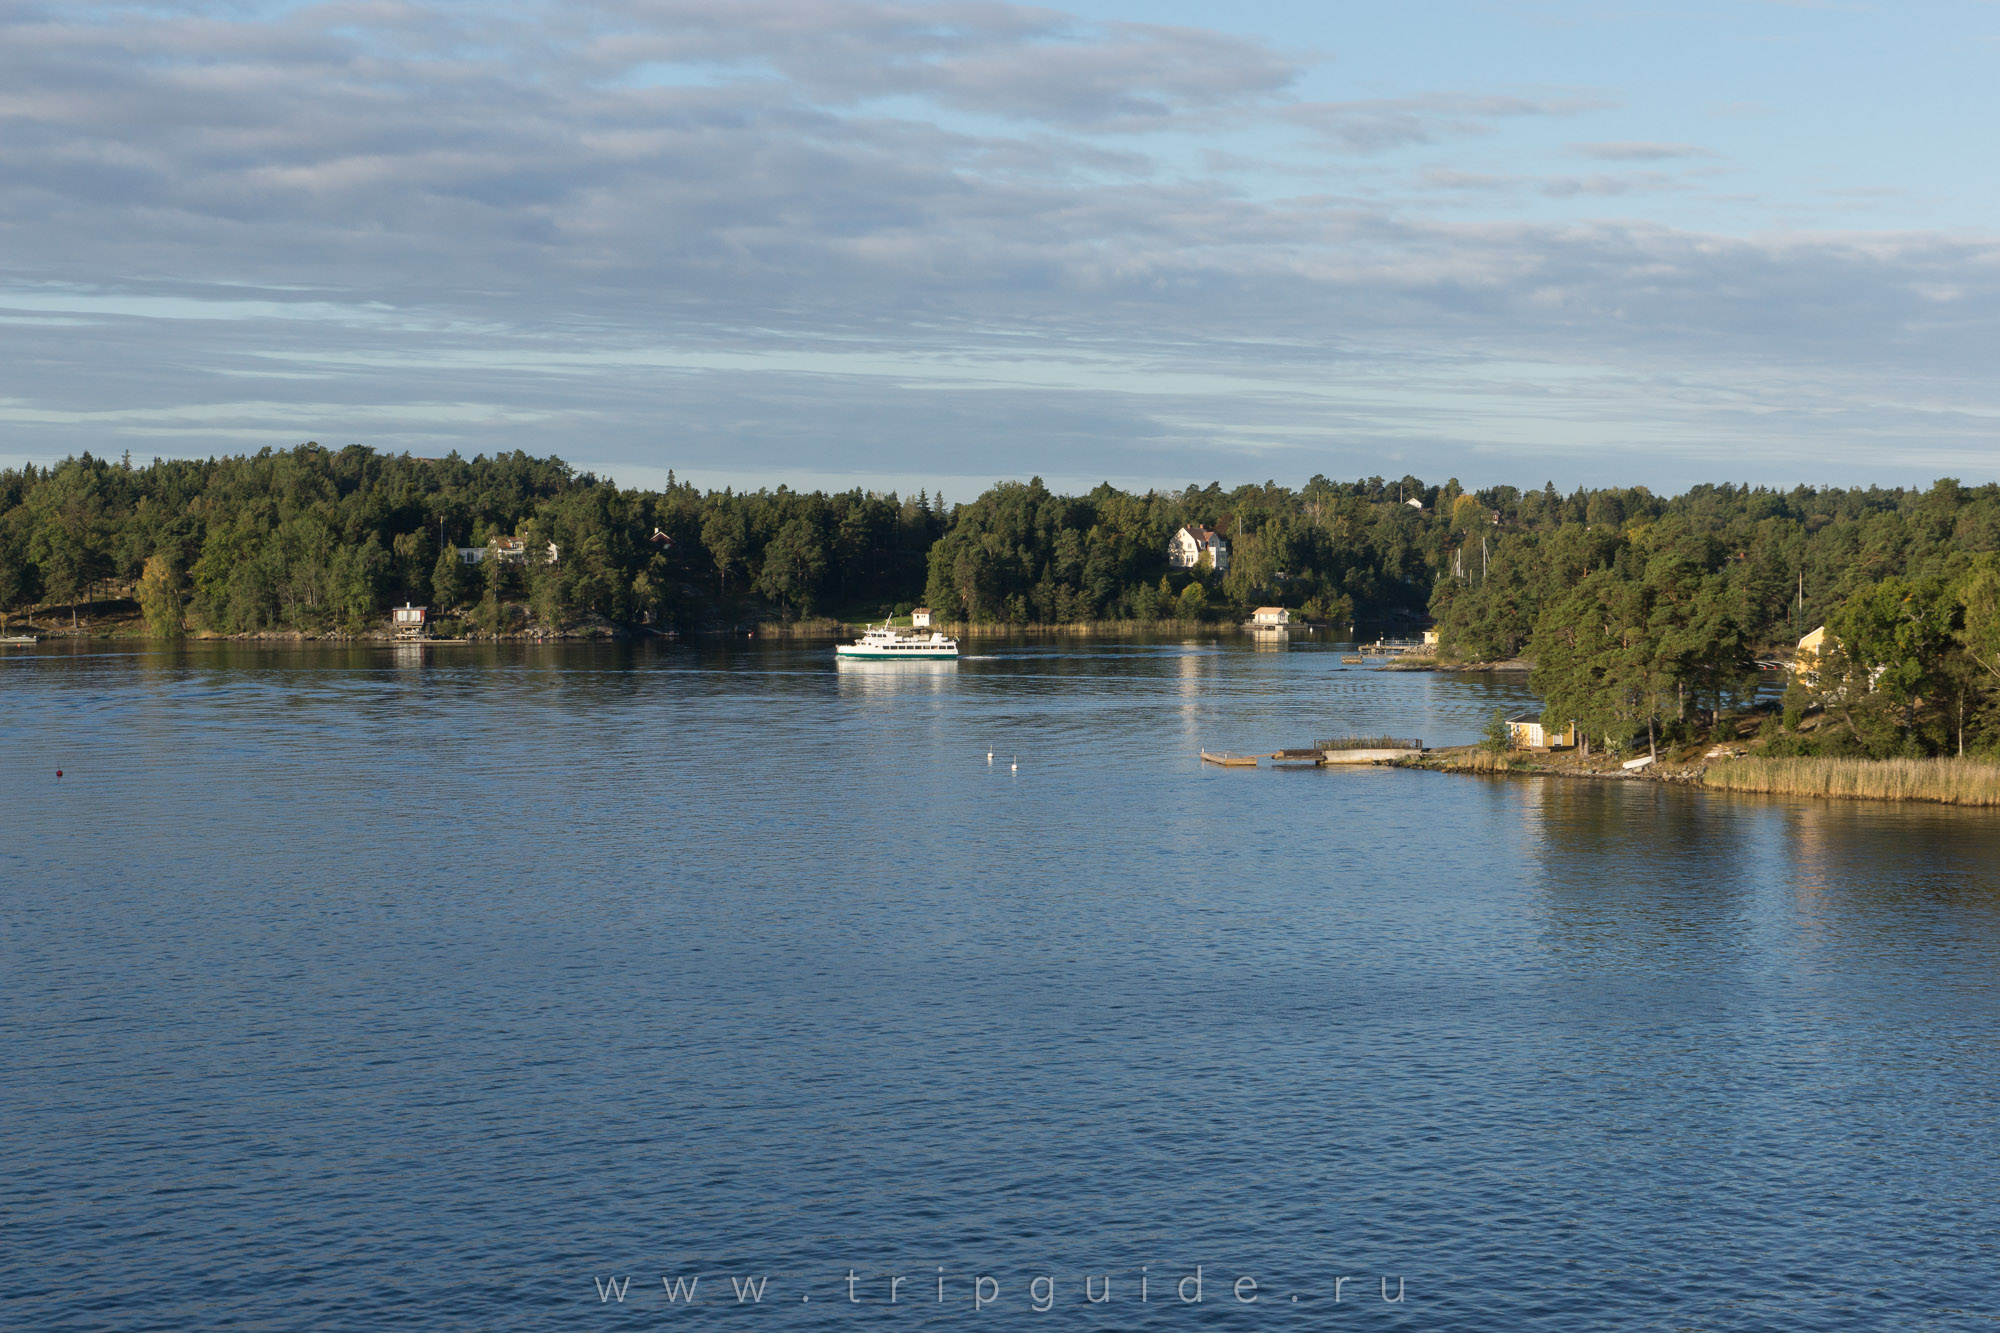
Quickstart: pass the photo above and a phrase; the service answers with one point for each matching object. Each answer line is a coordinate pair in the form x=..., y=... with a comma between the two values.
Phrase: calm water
x=434, y=989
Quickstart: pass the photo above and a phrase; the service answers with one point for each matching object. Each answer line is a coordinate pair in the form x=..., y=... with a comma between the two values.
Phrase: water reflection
x=1716, y=894
x=862, y=677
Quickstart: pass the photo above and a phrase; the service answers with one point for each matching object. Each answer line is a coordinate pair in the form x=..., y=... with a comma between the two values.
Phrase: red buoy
x=59, y=772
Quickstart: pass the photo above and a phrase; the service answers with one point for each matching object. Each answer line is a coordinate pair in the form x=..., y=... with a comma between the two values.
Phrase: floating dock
x=1229, y=760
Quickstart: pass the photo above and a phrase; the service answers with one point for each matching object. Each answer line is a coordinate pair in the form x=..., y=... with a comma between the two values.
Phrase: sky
x=838, y=243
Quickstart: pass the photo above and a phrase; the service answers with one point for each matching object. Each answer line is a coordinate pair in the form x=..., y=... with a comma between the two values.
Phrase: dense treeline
x=319, y=539
x=316, y=539
x=1646, y=615
x=1332, y=551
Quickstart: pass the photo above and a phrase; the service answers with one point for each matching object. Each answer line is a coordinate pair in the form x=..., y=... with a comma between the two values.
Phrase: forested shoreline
x=1645, y=615
x=323, y=541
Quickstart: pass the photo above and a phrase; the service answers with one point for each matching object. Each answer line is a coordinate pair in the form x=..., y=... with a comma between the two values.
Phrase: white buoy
x=1014, y=767
x=989, y=756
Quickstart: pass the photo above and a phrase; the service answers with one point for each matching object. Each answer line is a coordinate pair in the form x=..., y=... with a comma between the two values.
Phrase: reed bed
x=1478, y=761
x=1947, y=781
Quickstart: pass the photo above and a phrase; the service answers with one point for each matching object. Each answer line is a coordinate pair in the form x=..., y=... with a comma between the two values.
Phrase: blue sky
x=899, y=244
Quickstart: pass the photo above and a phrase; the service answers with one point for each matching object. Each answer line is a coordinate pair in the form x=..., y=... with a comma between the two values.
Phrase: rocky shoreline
x=1603, y=768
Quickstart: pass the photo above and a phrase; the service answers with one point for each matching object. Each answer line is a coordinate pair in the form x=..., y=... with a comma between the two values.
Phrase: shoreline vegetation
x=125, y=620
x=1940, y=780
x=1948, y=781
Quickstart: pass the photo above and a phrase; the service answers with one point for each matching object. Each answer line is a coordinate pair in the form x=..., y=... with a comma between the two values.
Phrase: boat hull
x=897, y=655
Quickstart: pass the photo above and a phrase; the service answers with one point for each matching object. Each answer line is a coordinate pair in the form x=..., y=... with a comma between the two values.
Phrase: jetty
x=1321, y=754
x=1369, y=749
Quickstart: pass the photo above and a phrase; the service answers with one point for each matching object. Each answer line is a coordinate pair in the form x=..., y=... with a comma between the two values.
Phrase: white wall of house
x=1185, y=550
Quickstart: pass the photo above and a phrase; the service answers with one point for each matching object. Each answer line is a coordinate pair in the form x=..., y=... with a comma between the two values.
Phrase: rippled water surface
x=354, y=988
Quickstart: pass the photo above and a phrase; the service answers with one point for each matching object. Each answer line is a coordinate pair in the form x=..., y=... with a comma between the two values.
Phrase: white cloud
x=809, y=236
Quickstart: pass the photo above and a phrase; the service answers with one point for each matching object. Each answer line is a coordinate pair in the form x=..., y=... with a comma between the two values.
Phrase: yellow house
x=1527, y=731
x=1805, y=662
x=1809, y=651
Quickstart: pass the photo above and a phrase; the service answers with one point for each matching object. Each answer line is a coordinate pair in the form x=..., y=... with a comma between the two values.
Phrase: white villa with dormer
x=1187, y=546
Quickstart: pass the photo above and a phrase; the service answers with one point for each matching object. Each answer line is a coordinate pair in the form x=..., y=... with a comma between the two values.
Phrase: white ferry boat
x=886, y=641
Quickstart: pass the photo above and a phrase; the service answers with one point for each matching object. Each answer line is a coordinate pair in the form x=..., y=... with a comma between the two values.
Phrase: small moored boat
x=888, y=642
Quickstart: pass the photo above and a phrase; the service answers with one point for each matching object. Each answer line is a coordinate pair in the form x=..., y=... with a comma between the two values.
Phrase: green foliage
x=726, y=534
x=1640, y=611
x=794, y=563
x=1797, y=699
x=450, y=584
x=1909, y=661
x=316, y=539
x=1022, y=553
x=159, y=595
x=1497, y=739
x=20, y=581
x=1640, y=642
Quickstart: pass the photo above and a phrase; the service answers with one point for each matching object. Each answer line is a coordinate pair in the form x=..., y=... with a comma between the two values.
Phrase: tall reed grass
x=1950, y=781
x=1478, y=761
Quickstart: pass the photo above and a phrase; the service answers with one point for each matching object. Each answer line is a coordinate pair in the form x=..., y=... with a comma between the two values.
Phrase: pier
x=1321, y=754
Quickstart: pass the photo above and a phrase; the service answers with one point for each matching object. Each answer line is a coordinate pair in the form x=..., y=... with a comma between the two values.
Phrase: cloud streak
x=1380, y=124
x=1628, y=151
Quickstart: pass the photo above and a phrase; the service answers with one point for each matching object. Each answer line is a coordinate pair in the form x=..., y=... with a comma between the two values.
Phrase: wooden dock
x=1229, y=760
x=1298, y=757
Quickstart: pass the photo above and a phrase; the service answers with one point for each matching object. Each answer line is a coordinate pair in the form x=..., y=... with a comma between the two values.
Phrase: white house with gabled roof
x=1188, y=545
